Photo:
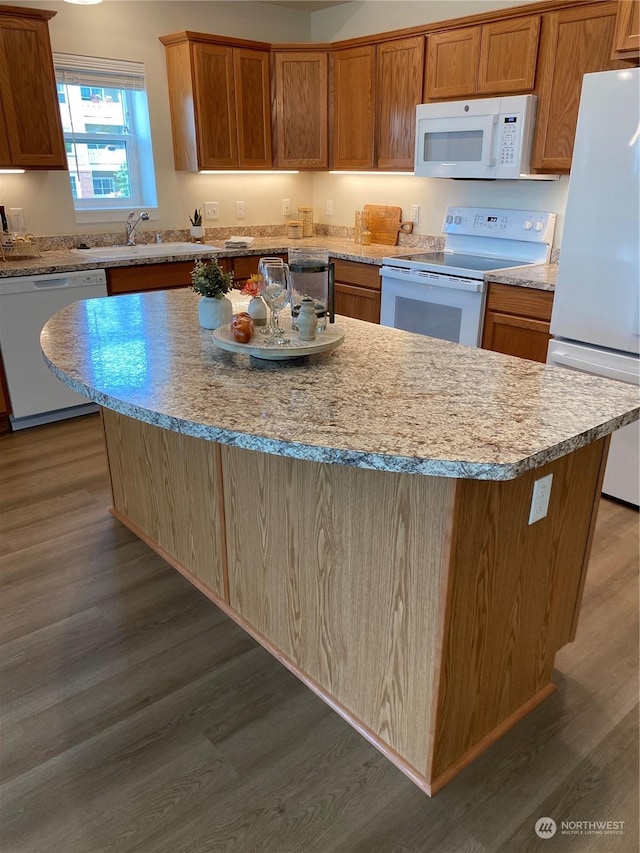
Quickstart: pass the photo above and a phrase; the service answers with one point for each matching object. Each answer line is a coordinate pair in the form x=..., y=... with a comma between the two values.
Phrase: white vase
x=197, y=232
x=214, y=311
x=257, y=311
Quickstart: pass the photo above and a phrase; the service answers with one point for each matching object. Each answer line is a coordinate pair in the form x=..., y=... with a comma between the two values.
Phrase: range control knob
x=458, y=220
x=539, y=226
x=528, y=225
x=449, y=219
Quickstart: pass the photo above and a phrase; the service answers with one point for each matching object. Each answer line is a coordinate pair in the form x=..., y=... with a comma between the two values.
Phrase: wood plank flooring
x=137, y=718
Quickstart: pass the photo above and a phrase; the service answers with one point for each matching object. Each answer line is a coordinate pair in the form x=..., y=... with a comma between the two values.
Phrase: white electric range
x=441, y=294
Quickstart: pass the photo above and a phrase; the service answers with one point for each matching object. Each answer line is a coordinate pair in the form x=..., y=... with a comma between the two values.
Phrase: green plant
x=196, y=219
x=209, y=280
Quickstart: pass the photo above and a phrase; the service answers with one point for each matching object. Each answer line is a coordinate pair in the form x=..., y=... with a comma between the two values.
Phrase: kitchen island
x=362, y=513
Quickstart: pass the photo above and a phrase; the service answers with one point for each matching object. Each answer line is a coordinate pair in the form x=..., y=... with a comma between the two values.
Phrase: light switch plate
x=239, y=210
x=286, y=206
x=329, y=207
x=211, y=210
x=16, y=219
x=415, y=212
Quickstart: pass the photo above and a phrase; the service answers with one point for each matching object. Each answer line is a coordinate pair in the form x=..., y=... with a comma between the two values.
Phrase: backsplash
x=419, y=242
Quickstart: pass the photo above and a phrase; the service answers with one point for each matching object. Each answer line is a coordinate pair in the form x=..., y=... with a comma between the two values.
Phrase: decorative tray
x=258, y=347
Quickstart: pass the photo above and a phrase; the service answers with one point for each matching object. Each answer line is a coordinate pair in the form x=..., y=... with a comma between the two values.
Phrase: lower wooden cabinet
x=244, y=267
x=357, y=290
x=517, y=320
x=149, y=277
x=5, y=405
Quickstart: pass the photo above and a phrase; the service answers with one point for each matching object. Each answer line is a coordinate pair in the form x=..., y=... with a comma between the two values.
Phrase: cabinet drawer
x=352, y=272
x=523, y=301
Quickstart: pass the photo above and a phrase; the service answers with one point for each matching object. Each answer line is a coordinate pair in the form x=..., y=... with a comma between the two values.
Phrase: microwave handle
x=491, y=141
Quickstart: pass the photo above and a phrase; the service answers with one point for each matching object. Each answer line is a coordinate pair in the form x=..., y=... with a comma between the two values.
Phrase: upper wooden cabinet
x=492, y=59
x=400, y=67
x=626, y=39
x=376, y=91
x=30, y=125
x=353, y=107
x=301, y=110
x=219, y=97
x=575, y=41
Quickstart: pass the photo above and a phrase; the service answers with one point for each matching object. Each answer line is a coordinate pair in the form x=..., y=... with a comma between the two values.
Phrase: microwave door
x=456, y=147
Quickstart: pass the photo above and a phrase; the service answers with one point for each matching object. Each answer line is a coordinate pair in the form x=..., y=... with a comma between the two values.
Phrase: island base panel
x=424, y=610
x=515, y=591
x=344, y=570
x=168, y=486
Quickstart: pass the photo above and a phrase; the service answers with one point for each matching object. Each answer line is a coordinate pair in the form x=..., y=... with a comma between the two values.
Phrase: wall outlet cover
x=540, y=498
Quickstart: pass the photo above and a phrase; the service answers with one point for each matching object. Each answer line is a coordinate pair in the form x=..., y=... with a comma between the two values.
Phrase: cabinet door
x=353, y=81
x=357, y=302
x=5, y=157
x=574, y=42
x=301, y=117
x=253, y=108
x=508, y=54
x=517, y=321
x=32, y=125
x=626, y=40
x=452, y=63
x=149, y=277
x=400, y=69
x=215, y=112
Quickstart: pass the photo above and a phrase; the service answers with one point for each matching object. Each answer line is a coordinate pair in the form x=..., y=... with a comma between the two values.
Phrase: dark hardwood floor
x=136, y=717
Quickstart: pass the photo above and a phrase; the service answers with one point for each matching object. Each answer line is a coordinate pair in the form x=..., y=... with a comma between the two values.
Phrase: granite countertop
x=538, y=277
x=541, y=277
x=67, y=260
x=385, y=400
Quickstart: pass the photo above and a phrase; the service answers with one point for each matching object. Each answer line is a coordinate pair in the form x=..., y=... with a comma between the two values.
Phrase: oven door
x=441, y=306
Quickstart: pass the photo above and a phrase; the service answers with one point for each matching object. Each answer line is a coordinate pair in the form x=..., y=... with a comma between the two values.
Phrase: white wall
x=129, y=29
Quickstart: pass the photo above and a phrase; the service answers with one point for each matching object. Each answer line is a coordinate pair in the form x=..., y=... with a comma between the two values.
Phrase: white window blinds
x=98, y=71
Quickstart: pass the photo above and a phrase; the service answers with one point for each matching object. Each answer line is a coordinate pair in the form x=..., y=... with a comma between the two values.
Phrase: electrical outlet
x=16, y=219
x=415, y=212
x=329, y=207
x=239, y=210
x=540, y=498
x=286, y=206
x=211, y=210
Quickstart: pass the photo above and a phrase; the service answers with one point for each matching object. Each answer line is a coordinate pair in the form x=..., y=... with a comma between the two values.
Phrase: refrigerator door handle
x=602, y=370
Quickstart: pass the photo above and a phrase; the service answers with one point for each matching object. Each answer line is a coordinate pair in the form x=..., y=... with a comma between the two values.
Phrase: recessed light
x=84, y=2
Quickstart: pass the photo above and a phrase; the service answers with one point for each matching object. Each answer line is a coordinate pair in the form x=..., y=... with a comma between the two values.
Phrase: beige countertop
x=541, y=277
x=385, y=399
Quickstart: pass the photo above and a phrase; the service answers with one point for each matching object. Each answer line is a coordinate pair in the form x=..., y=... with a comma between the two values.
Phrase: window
x=105, y=120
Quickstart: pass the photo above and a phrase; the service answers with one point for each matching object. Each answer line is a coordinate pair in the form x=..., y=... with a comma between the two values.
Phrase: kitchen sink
x=148, y=250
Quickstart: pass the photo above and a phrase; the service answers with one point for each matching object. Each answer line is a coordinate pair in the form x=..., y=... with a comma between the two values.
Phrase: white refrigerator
x=596, y=310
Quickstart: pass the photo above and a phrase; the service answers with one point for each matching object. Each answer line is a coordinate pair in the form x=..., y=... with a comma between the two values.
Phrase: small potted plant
x=207, y=279
x=197, y=229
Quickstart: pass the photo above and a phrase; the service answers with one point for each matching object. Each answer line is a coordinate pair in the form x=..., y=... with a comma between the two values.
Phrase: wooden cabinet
x=149, y=277
x=301, y=110
x=30, y=125
x=357, y=290
x=244, y=267
x=492, y=59
x=452, y=63
x=575, y=41
x=376, y=91
x=5, y=405
x=353, y=107
x=517, y=321
x=626, y=38
x=219, y=98
x=400, y=68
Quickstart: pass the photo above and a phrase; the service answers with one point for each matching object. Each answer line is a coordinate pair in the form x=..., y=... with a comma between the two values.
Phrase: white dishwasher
x=26, y=303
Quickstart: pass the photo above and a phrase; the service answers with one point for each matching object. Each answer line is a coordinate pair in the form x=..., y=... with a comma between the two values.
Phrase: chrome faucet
x=143, y=216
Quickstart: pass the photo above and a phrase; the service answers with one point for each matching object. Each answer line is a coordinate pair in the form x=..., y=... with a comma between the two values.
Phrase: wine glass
x=275, y=293
x=263, y=264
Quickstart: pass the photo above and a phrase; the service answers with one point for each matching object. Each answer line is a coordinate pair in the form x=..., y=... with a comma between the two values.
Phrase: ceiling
x=306, y=5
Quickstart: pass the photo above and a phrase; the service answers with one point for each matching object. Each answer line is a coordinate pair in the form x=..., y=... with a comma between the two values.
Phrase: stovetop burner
x=458, y=260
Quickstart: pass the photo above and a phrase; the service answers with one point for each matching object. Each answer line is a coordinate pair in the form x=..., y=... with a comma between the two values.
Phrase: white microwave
x=488, y=138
